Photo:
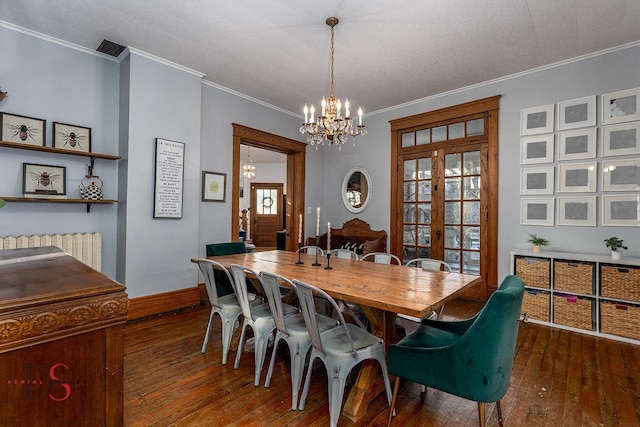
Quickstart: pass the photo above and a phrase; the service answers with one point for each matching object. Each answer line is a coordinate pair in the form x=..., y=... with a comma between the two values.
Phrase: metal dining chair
x=345, y=254
x=258, y=317
x=382, y=258
x=311, y=250
x=226, y=306
x=291, y=329
x=427, y=264
x=340, y=349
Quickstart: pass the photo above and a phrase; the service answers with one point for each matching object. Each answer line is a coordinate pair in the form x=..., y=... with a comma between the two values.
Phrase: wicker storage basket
x=621, y=282
x=575, y=277
x=620, y=319
x=574, y=311
x=534, y=272
x=537, y=304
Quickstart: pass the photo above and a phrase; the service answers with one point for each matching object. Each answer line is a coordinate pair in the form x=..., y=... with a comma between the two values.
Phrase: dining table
x=381, y=290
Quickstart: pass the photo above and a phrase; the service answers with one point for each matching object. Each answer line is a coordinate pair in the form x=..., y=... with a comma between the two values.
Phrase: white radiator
x=85, y=247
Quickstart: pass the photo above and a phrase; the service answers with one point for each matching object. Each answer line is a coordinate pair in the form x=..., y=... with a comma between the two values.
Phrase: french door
x=444, y=189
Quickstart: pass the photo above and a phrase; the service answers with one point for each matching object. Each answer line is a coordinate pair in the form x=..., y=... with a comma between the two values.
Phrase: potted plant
x=537, y=242
x=615, y=244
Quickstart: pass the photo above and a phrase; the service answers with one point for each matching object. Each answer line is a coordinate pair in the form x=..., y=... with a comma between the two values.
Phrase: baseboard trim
x=151, y=305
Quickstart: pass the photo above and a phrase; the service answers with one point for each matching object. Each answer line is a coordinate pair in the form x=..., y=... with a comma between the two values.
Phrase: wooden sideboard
x=61, y=341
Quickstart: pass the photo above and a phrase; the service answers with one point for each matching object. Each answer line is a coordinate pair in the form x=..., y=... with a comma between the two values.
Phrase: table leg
x=369, y=383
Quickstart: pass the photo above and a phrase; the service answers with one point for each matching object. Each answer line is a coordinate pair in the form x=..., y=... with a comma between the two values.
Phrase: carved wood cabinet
x=61, y=341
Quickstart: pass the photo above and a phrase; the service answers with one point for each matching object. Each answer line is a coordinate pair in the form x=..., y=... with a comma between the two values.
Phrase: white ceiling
x=386, y=53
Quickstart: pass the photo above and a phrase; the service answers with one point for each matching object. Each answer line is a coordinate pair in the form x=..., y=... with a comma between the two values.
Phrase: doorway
x=295, y=182
x=266, y=213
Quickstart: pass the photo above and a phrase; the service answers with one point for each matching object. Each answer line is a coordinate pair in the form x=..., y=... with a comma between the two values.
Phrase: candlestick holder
x=316, y=264
x=299, y=246
x=328, y=267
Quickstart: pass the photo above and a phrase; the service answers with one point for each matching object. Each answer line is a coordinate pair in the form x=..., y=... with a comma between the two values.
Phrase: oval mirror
x=356, y=189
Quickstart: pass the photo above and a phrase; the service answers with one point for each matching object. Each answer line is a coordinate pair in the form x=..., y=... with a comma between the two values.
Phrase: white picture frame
x=621, y=210
x=577, y=177
x=537, y=120
x=535, y=181
x=537, y=149
x=621, y=139
x=577, y=144
x=577, y=211
x=619, y=107
x=538, y=211
x=577, y=113
x=621, y=175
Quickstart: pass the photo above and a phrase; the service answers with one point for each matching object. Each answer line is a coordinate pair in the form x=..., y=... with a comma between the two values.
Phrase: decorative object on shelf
x=22, y=129
x=249, y=168
x=169, y=177
x=537, y=242
x=615, y=244
x=331, y=126
x=44, y=181
x=2, y=203
x=91, y=188
x=3, y=95
x=71, y=137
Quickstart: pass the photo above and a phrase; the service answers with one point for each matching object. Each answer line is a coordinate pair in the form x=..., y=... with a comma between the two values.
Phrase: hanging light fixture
x=331, y=126
x=249, y=167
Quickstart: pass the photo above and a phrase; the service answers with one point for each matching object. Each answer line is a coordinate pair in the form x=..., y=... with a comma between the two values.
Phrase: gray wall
x=129, y=104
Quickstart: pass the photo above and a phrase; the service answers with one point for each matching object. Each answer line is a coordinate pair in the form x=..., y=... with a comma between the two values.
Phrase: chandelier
x=249, y=167
x=331, y=126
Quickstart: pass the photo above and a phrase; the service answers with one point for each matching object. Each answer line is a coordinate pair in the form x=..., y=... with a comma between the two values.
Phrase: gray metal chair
x=290, y=329
x=258, y=317
x=311, y=250
x=340, y=349
x=382, y=258
x=345, y=254
x=227, y=306
x=427, y=264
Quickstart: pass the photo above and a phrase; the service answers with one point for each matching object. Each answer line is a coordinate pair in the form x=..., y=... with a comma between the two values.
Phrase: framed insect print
x=44, y=180
x=22, y=129
x=622, y=106
x=537, y=120
x=577, y=113
x=71, y=137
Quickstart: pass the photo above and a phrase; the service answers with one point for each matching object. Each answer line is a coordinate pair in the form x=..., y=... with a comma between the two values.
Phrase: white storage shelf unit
x=586, y=293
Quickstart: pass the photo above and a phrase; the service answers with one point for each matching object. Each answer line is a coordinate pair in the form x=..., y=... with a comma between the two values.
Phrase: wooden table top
x=393, y=288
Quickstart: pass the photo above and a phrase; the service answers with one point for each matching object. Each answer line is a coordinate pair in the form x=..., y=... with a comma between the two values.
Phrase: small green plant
x=615, y=243
x=536, y=240
x=2, y=203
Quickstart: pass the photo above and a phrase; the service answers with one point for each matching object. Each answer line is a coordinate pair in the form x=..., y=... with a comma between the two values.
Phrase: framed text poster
x=168, y=188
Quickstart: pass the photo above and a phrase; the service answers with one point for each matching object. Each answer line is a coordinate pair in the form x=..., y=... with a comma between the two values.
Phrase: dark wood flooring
x=560, y=378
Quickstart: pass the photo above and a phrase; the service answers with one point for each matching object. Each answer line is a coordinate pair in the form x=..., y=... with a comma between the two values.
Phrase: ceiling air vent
x=110, y=48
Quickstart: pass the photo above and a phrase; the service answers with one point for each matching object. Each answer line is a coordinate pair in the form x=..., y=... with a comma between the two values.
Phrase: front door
x=265, y=213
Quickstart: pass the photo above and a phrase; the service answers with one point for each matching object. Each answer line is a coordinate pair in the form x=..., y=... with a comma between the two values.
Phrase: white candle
x=318, y=222
x=312, y=110
x=324, y=105
x=347, y=113
x=300, y=229
x=328, y=236
x=360, y=116
x=306, y=113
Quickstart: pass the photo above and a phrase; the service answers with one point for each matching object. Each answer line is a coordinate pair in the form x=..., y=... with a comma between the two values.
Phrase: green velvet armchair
x=471, y=358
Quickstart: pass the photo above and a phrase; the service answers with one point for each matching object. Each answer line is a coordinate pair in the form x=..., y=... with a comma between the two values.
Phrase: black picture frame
x=22, y=129
x=71, y=137
x=169, y=179
x=45, y=181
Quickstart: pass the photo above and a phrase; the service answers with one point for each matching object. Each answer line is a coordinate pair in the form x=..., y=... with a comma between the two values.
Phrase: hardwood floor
x=559, y=378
